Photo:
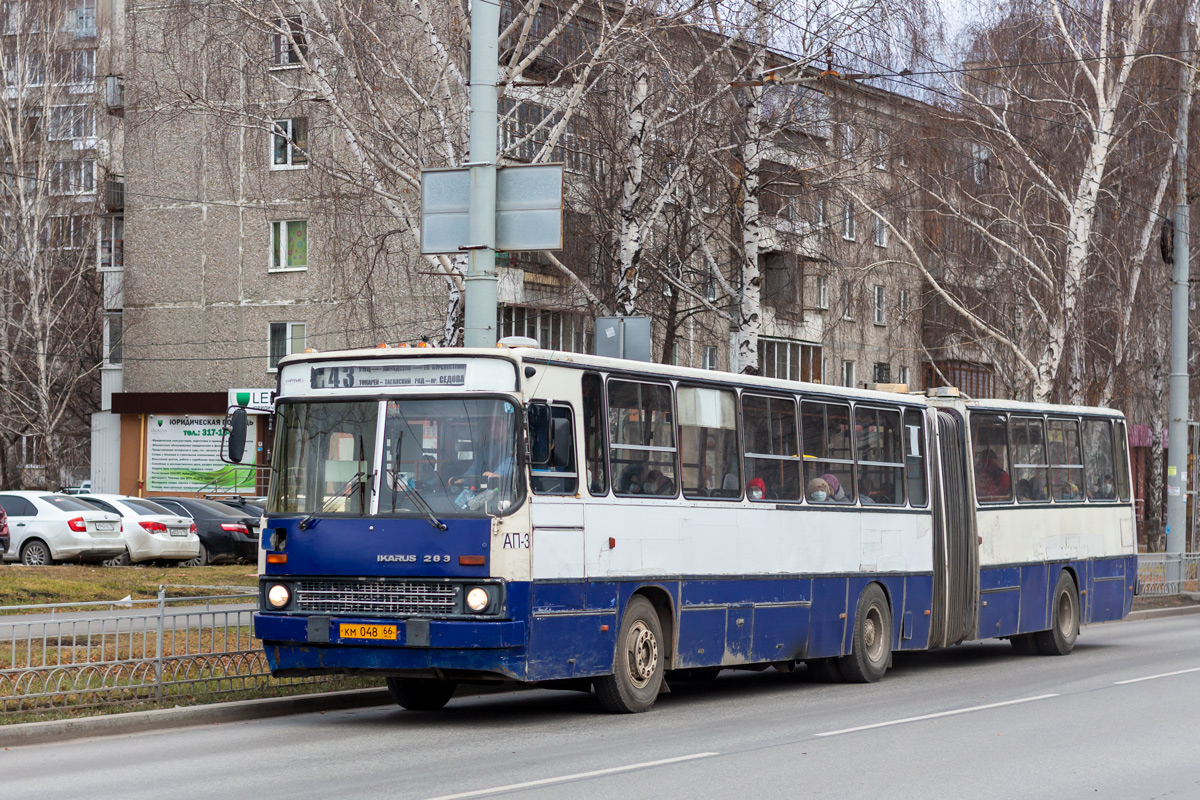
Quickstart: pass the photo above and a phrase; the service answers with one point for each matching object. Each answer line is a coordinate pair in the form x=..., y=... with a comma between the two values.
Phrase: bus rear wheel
x=1064, y=620
x=638, y=665
x=871, y=647
x=420, y=694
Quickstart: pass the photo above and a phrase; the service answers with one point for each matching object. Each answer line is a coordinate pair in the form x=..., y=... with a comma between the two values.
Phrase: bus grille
x=392, y=599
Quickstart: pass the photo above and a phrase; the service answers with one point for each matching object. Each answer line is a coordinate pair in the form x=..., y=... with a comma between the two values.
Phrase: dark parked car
x=250, y=506
x=225, y=533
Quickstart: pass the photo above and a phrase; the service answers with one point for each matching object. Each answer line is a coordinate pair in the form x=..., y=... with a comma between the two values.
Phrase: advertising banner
x=183, y=454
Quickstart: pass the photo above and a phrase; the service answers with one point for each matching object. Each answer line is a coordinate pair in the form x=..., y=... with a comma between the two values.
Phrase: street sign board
x=529, y=208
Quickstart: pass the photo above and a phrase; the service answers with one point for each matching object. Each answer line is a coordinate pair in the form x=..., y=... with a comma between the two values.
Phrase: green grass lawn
x=75, y=583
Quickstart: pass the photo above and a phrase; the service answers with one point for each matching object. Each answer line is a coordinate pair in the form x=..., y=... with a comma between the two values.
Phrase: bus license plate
x=387, y=632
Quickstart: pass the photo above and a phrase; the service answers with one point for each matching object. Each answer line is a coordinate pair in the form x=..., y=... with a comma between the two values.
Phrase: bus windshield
x=460, y=455
x=455, y=457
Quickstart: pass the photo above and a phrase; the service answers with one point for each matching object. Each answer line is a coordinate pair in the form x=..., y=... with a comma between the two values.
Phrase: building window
x=902, y=305
x=111, y=243
x=289, y=143
x=822, y=288
x=847, y=373
x=789, y=360
x=880, y=312
x=972, y=379
x=285, y=338
x=114, y=349
x=71, y=122
x=81, y=17
x=710, y=357
x=553, y=330
x=675, y=354
x=75, y=67
x=882, y=372
x=67, y=233
x=880, y=150
x=847, y=301
x=847, y=141
x=902, y=375
x=820, y=219
x=73, y=177
x=289, y=244
x=880, y=232
x=848, y=221
x=288, y=43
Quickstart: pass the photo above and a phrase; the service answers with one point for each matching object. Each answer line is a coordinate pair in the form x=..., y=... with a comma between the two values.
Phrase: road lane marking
x=955, y=712
x=1153, y=677
x=577, y=776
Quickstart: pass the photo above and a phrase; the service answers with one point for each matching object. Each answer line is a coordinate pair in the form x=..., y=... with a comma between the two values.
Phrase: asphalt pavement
x=1119, y=717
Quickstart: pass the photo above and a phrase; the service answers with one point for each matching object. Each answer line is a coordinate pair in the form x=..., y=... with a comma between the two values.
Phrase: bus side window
x=1032, y=479
x=641, y=430
x=989, y=444
x=880, y=456
x=914, y=458
x=593, y=435
x=708, y=442
x=1098, y=469
x=552, y=450
x=828, y=457
x=1066, y=463
x=772, y=452
x=1122, y=464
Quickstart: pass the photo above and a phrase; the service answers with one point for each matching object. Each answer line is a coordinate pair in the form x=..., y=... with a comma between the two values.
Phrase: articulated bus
x=446, y=516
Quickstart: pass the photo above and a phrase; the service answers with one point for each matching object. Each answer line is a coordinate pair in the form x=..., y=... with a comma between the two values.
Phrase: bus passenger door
x=956, y=552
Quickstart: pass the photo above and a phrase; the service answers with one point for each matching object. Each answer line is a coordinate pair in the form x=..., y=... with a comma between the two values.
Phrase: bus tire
x=638, y=663
x=1064, y=619
x=420, y=694
x=871, y=647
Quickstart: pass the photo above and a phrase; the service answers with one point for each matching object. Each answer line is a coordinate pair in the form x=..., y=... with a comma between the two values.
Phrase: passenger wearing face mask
x=657, y=483
x=818, y=490
x=836, y=493
x=1106, y=491
x=756, y=489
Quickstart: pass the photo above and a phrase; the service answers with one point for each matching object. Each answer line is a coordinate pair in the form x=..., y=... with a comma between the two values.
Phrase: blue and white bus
x=446, y=516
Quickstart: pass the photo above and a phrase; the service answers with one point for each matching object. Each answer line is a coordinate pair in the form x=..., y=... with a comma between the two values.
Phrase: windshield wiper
x=399, y=483
x=310, y=521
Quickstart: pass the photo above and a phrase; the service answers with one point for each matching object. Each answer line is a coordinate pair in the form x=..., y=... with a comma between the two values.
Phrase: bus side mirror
x=237, y=435
x=560, y=443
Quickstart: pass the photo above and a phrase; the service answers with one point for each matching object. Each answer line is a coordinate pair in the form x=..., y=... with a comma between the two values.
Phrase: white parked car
x=48, y=527
x=152, y=532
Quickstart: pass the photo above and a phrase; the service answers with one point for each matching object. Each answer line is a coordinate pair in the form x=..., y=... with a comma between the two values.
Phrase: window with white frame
x=81, y=17
x=553, y=330
x=75, y=67
x=789, y=359
x=880, y=159
x=847, y=141
x=73, y=177
x=847, y=301
x=27, y=71
x=882, y=372
x=114, y=333
x=289, y=143
x=820, y=219
x=902, y=375
x=71, y=122
x=289, y=244
x=847, y=373
x=68, y=232
x=288, y=43
x=848, y=221
x=880, y=232
x=902, y=305
x=709, y=357
x=111, y=243
x=285, y=338
x=880, y=298
x=822, y=291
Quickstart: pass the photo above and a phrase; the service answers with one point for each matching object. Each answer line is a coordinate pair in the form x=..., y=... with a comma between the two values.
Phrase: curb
x=59, y=730
x=1158, y=613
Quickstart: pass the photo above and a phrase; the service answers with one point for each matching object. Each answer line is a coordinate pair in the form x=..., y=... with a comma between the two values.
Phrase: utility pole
x=480, y=311
x=1177, y=439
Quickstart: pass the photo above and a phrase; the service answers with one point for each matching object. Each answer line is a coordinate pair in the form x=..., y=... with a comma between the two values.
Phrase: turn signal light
x=471, y=561
x=276, y=558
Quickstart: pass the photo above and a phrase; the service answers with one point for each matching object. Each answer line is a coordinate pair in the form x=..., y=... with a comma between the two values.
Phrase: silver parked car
x=152, y=533
x=47, y=527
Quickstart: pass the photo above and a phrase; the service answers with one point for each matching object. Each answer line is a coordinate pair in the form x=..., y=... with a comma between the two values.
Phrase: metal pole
x=480, y=312
x=1177, y=443
x=158, y=646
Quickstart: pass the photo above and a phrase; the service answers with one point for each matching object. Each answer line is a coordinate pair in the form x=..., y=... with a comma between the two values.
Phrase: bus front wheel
x=871, y=648
x=638, y=665
x=420, y=694
x=1064, y=619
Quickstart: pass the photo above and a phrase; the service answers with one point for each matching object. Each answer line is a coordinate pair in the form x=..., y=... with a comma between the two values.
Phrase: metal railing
x=1161, y=574
x=71, y=655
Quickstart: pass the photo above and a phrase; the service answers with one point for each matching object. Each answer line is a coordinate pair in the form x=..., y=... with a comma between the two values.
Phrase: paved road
x=976, y=721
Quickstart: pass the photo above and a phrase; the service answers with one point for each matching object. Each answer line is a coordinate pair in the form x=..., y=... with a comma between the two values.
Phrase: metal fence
x=80, y=655
x=1160, y=574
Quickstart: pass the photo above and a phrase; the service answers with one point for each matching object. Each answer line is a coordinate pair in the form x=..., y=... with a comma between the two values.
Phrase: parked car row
x=40, y=528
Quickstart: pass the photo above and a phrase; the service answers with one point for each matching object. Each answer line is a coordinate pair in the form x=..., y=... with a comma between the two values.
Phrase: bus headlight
x=478, y=599
x=278, y=596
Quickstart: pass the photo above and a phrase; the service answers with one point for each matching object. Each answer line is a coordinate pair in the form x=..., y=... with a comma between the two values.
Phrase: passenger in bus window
x=992, y=481
x=756, y=489
x=1107, y=489
x=632, y=479
x=818, y=490
x=836, y=493
x=657, y=483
